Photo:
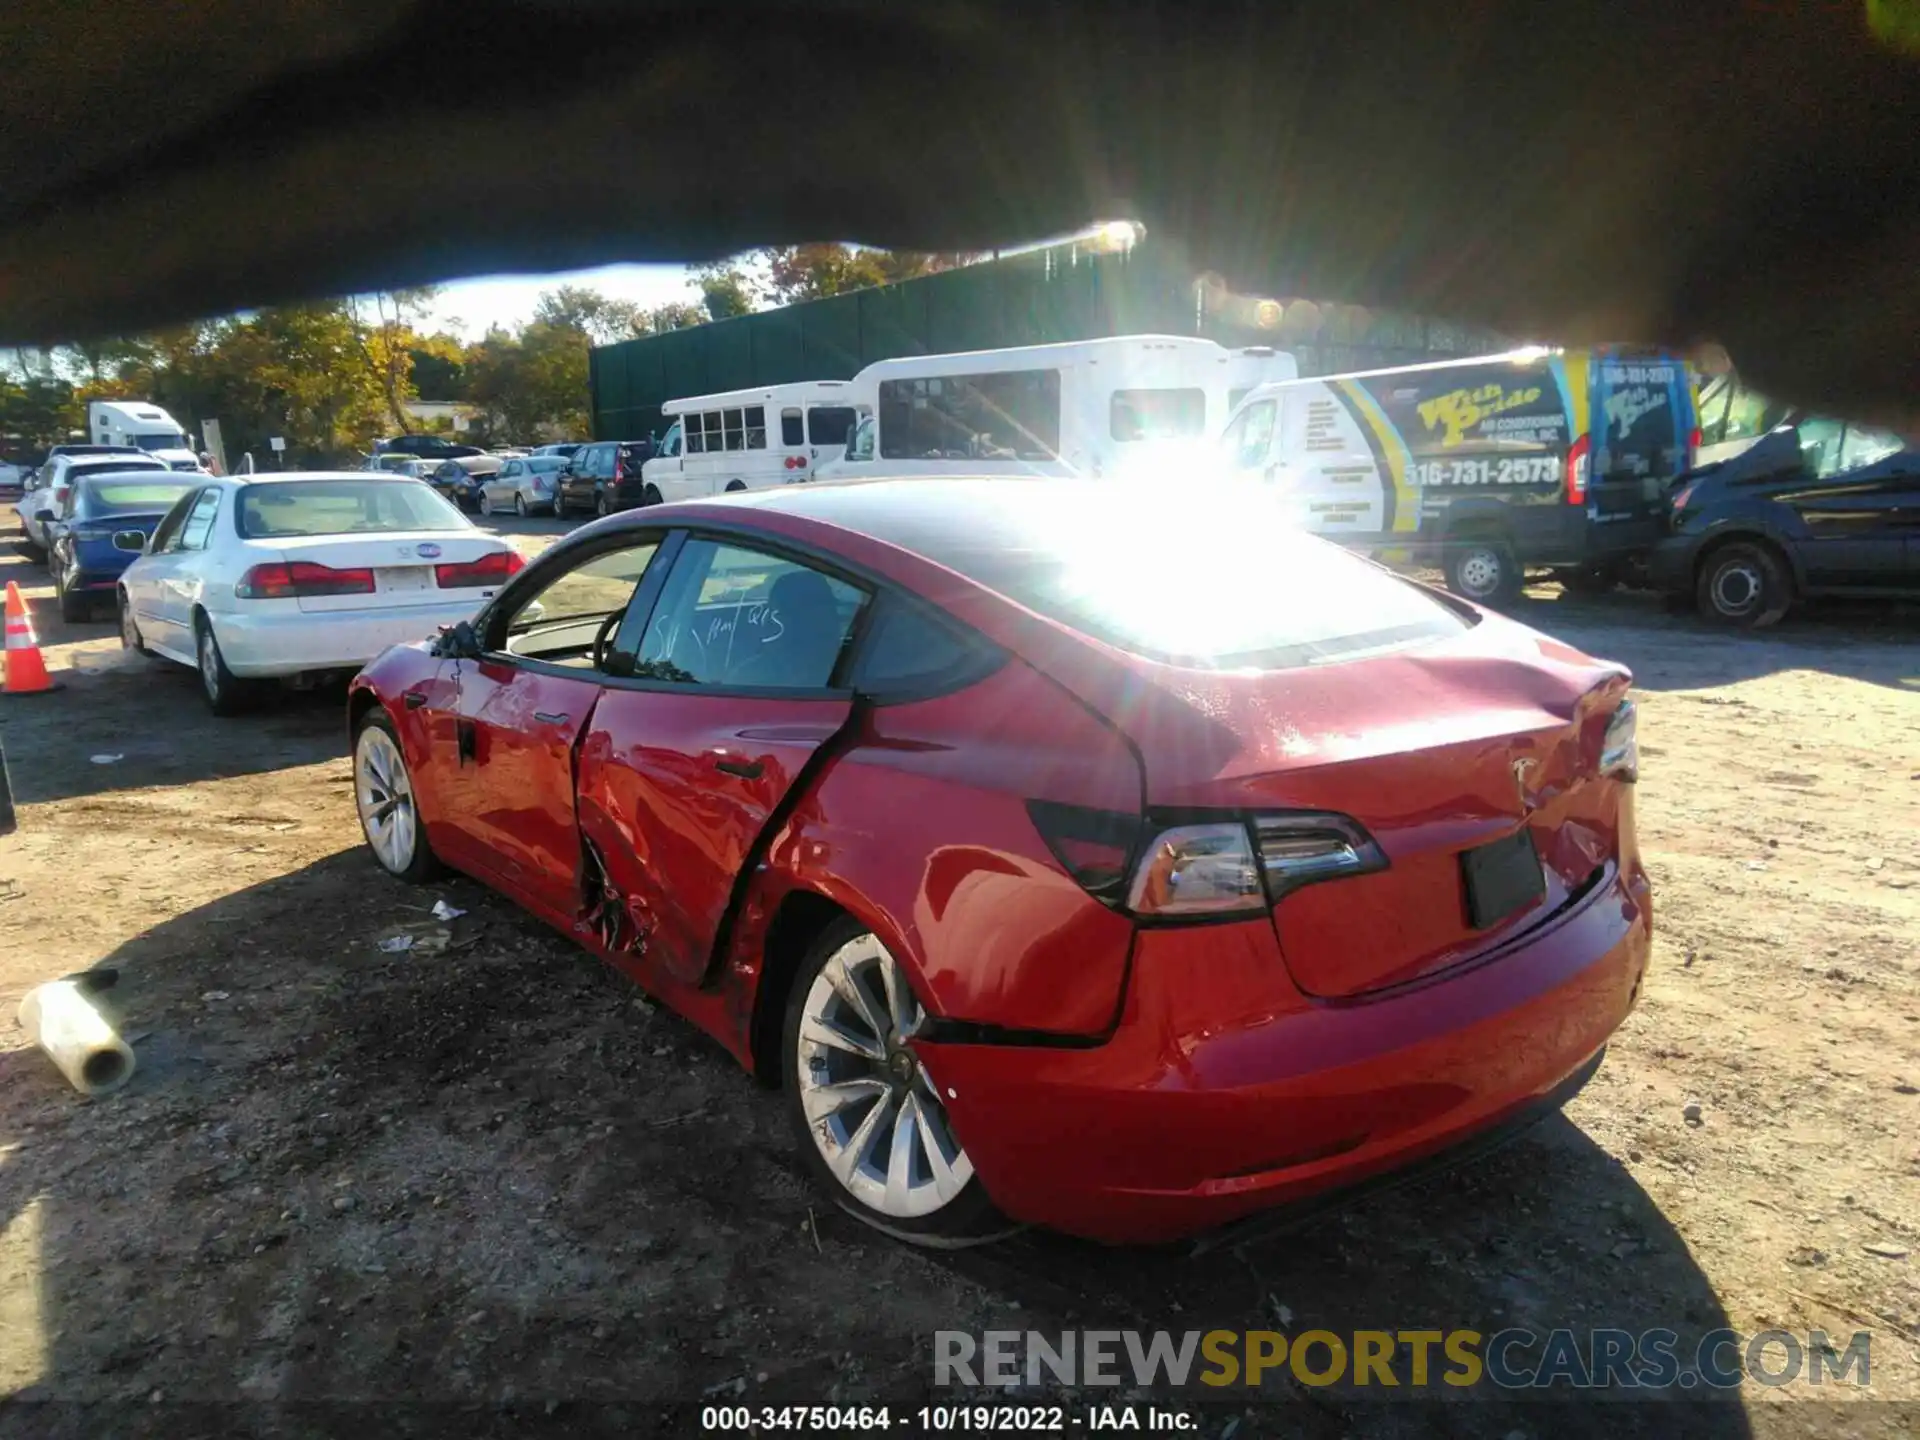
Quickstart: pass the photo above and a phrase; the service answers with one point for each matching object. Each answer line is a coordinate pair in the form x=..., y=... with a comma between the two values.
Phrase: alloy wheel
x=872, y=1110
x=383, y=794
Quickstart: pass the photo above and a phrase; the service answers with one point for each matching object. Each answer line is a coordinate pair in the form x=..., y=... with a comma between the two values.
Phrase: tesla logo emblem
x=1522, y=773
x=426, y=552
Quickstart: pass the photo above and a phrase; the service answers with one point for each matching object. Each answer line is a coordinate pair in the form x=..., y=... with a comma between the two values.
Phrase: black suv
x=604, y=477
x=1817, y=507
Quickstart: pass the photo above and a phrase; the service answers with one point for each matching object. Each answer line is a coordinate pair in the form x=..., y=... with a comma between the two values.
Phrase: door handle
x=415, y=699
x=745, y=769
x=547, y=717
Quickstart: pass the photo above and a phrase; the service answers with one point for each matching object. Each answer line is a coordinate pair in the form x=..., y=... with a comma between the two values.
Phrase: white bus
x=1086, y=407
x=746, y=439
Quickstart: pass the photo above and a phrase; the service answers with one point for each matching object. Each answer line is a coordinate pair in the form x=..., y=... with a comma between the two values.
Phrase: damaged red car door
x=685, y=768
x=519, y=711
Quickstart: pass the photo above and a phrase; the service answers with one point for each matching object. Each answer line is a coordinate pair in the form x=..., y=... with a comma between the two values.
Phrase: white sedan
x=251, y=578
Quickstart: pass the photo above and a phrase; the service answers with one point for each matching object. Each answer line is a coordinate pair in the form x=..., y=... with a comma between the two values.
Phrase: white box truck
x=145, y=425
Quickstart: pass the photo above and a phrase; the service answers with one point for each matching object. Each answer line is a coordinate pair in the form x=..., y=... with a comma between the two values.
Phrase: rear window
x=77, y=468
x=1637, y=424
x=343, y=507
x=1224, y=582
x=123, y=497
x=829, y=424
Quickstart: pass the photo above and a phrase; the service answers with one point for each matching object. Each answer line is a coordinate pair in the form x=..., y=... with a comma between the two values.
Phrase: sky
x=508, y=300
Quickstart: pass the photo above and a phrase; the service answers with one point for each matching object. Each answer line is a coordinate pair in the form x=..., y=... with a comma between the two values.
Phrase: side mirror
x=134, y=541
x=458, y=642
x=44, y=516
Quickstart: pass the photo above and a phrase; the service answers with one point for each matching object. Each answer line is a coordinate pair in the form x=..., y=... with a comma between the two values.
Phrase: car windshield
x=343, y=507
x=130, y=496
x=1222, y=581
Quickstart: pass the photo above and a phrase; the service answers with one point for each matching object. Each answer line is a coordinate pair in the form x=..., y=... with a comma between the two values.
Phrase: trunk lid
x=1435, y=751
x=402, y=563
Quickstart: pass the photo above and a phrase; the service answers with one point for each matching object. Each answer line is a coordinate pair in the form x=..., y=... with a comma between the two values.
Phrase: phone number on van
x=1511, y=470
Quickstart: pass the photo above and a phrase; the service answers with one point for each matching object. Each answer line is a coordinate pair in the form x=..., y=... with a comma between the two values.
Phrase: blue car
x=81, y=553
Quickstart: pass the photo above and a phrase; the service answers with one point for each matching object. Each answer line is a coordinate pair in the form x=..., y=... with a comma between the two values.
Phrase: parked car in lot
x=300, y=575
x=565, y=448
x=425, y=447
x=81, y=553
x=55, y=480
x=460, y=480
x=525, y=487
x=1047, y=890
x=393, y=462
x=1817, y=507
x=606, y=476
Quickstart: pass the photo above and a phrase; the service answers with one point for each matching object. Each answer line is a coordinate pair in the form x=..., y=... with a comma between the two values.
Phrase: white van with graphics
x=746, y=439
x=1103, y=408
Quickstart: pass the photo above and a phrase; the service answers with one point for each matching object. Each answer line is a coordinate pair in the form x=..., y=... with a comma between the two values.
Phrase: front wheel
x=869, y=1118
x=486, y=503
x=651, y=495
x=130, y=628
x=1483, y=571
x=1745, y=584
x=383, y=795
x=600, y=506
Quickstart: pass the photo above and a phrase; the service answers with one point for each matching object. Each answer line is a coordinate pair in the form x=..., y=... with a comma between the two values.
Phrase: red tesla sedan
x=1120, y=867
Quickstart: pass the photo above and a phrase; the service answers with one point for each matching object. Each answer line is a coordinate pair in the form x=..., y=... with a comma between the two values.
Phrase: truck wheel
x=1483, y=570
x=650, y=496
x=1744, y=584
x=733, y=485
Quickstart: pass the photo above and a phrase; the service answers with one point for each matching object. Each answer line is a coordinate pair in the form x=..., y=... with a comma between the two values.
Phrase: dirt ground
x=494, y=1173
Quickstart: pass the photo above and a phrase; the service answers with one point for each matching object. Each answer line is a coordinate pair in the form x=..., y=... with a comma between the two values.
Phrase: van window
x=756, y=427
x=830, y=424
x=860, y=443
x=670, y=442
x=696, y=437
x=711, y=420
x=793, y=430
x=1247, y=440
x=1636, y=431
x=733, y=430
x=1156, y=414
x=1013, y=415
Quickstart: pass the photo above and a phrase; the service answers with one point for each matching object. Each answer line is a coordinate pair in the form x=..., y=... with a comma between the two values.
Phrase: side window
x=733, y=431
x=696, y=436
x=906, y=648
x=1862, y=447
x=756, y=427
x=1820, y=446
x=199, y=523
x=730, y=616
x=560, y=622
x=1247, y=440
x=793, y=429
x=860, y=445
x=512, y=470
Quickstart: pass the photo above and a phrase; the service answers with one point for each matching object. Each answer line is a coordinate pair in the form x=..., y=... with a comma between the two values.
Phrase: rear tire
x=519, y=505
x=831, y=1095
x=1482, y=568
x=73, y=608
x=600, y=506
x=733, y=485
x=1745, y=584
x=130, y=628
x=226, y=693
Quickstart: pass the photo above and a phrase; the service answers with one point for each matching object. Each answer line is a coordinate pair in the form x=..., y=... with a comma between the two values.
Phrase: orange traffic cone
x=26, y=671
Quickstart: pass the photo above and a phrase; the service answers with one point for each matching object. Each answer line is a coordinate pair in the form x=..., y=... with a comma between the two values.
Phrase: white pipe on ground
x=61, y=1020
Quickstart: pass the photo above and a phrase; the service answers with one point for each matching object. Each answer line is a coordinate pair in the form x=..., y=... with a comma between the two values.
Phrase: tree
x=383, y=338
x=601, y=318
x=725, y=289
x=439, y=367
x=813, y=272
x=678, y=315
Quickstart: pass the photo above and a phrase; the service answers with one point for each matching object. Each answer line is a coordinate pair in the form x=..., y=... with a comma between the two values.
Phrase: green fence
x=1061, y=293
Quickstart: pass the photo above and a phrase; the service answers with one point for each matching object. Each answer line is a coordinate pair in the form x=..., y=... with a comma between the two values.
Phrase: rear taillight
x=289, y=580
x=796, y=462
x=1620, y=750
x=1203, y=871
x=495, y=569
x=1579, y=456
x=1693, y=447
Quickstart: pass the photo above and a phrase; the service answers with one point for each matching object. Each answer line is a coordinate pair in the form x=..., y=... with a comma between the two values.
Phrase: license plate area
x=1502, y=878
x=408, y=578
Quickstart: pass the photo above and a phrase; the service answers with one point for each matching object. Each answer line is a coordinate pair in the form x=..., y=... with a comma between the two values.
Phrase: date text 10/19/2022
x=944, y=1419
